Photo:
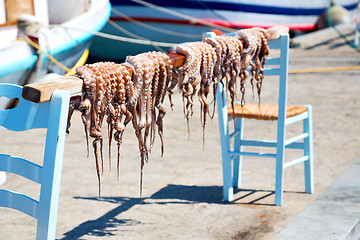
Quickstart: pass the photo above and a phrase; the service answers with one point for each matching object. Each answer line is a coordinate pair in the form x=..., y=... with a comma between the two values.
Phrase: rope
x=132, y=20
x=123, y=39
x=51, y=58
x=140, y=40
x=191, y=19
x=331, y=25
x=132, y=34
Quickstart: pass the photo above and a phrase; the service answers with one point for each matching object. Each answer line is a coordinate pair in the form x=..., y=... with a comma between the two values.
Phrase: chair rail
x=19, y=202
x=21, y=167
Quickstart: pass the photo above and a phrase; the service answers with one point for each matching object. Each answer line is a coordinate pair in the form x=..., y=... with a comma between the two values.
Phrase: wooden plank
x=177, y=59
x=41, y=92
x=14, y=8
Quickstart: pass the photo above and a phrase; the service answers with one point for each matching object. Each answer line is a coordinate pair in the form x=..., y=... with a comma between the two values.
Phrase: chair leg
x=308, y=150
x=279, y=172
x=239, y=122
x=279, y=175
x=228, y=190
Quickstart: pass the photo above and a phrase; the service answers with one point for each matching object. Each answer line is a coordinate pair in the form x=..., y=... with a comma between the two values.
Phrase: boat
x=172, y=22
x=38, y=37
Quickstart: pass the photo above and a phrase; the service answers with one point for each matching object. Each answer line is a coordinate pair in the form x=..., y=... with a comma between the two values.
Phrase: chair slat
x=272, y=71
x=258, y=143
x=271, y=143
x=273, y=61
x=253, y=154
x=21, y=167
x=294, y=119
x=233, y=134
x=296, y=161
x=29, y=116
x=275, y=44
x=18, y=202
x=295, y=139
x=296, y=145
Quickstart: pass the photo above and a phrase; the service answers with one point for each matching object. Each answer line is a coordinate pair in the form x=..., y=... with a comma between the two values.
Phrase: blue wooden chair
x=52, y=116
x=284, y=114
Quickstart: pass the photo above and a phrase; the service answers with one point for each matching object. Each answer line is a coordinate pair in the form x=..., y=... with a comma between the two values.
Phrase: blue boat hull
x=235, y=14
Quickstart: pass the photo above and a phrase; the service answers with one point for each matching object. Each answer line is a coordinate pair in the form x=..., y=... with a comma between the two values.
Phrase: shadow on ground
x=171, y=194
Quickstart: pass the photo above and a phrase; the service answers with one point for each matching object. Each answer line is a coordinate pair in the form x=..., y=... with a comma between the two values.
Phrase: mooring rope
x=184, y=16
x=50, y=57
x=119, y=38
x=130, y=34
x=161, y=30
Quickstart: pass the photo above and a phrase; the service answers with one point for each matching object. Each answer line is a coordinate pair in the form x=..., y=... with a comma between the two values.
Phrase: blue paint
x=304, y=141
x=231, y=6
x=51, y=116
x=18, y=66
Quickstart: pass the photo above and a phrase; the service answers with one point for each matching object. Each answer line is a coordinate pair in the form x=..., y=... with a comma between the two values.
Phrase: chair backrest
x=52, y=116
x=282, y=70
x=275, y=66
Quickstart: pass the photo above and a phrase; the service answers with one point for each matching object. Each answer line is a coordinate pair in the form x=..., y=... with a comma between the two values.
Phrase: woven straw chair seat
x=263, y=111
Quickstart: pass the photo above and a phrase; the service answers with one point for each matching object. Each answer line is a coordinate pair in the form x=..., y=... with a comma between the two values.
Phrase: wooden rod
x=42, y=91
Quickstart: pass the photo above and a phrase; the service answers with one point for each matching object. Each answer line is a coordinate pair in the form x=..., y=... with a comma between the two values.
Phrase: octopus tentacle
x=256, y=50
x=104, y=91
x=97, y=161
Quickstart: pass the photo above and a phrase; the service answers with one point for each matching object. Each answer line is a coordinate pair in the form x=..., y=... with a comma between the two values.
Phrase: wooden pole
x=42, y=91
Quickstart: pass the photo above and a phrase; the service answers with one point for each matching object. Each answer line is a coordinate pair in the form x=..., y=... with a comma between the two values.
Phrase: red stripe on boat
x=303, y=27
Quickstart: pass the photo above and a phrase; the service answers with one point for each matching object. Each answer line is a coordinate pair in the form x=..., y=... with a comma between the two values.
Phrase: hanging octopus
x=254, y=54
x=104, y=94
x=198, y=69
x=228, y=50
x=135, y=90
x=109, y=90
x=161, y=80
x=152, y=74
x=188, y=76
x=118, y=109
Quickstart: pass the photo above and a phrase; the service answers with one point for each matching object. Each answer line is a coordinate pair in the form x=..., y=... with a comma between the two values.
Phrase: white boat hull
x=20, y=63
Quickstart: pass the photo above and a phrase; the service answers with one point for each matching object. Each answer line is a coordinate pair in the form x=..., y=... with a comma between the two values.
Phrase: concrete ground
x=332, y=215
x=182, y=191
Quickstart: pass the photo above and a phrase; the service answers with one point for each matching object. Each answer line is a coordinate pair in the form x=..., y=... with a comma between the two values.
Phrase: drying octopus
x=105, y=93
x=152, y=75
x=135, y=90
x=228, y=50
x=198, y=69
x=109, y=90
x=254, y=55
